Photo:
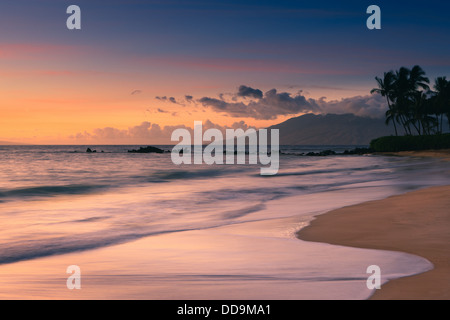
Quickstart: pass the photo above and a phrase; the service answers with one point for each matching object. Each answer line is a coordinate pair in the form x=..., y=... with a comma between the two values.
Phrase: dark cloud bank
x=271, y=104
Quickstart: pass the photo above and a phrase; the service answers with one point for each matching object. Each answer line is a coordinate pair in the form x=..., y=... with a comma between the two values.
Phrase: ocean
x=59, y=201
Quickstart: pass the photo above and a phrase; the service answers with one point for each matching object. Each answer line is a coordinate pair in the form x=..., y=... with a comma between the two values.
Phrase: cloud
x=145, y=133
x=271, y=104
x=372, y=106
x=245, y=91
x=219, y=105
x=136, y=92
x=169, y=99
x=162, y=111
x=236, y=125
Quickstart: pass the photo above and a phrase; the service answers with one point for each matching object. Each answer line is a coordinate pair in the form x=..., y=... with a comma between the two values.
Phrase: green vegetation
x=411, y=143
x=414, y=108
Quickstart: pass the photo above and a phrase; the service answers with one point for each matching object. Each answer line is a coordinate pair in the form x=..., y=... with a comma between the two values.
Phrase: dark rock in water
x=328, y=153
x=358, y=151
x=237, y=152
x=325, y=153
x=88, y=150
x=321, y=154
x=147, y=150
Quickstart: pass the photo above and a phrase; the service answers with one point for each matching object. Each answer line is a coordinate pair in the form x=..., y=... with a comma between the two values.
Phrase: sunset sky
x=137, y=69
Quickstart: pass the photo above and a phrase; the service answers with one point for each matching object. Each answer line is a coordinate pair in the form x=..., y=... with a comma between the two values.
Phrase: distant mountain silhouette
x=331, y=129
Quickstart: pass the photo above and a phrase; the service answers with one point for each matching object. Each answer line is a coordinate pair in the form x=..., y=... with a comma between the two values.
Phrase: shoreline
x=415, y=223
x=252, y=260
x=443, y=154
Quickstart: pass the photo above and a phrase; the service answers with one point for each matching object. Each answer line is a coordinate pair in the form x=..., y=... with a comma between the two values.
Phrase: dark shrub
x=411, y=143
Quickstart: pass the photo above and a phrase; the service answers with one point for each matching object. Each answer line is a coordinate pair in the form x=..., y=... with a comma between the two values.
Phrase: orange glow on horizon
x=51, y=93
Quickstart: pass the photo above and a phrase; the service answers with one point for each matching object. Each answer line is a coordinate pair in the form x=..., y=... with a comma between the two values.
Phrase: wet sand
x=417, y=223
x=441, y=154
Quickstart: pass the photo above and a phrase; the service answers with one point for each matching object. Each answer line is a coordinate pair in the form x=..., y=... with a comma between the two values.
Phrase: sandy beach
x=417, y=223
x=443, y=154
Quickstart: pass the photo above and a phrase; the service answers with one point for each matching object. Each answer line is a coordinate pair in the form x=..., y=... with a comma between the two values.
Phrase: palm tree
x=442, y=100
x=417, y=79
x=421, y=119
x=411, y=102
x=402, y=94
x=386, y=89
x=418, y=106
x=391, y=115
x=407, y=85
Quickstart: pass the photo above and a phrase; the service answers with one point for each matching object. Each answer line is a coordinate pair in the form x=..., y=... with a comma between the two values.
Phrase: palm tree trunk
x=405, y=125
x=393, y=116
x=437, y=123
